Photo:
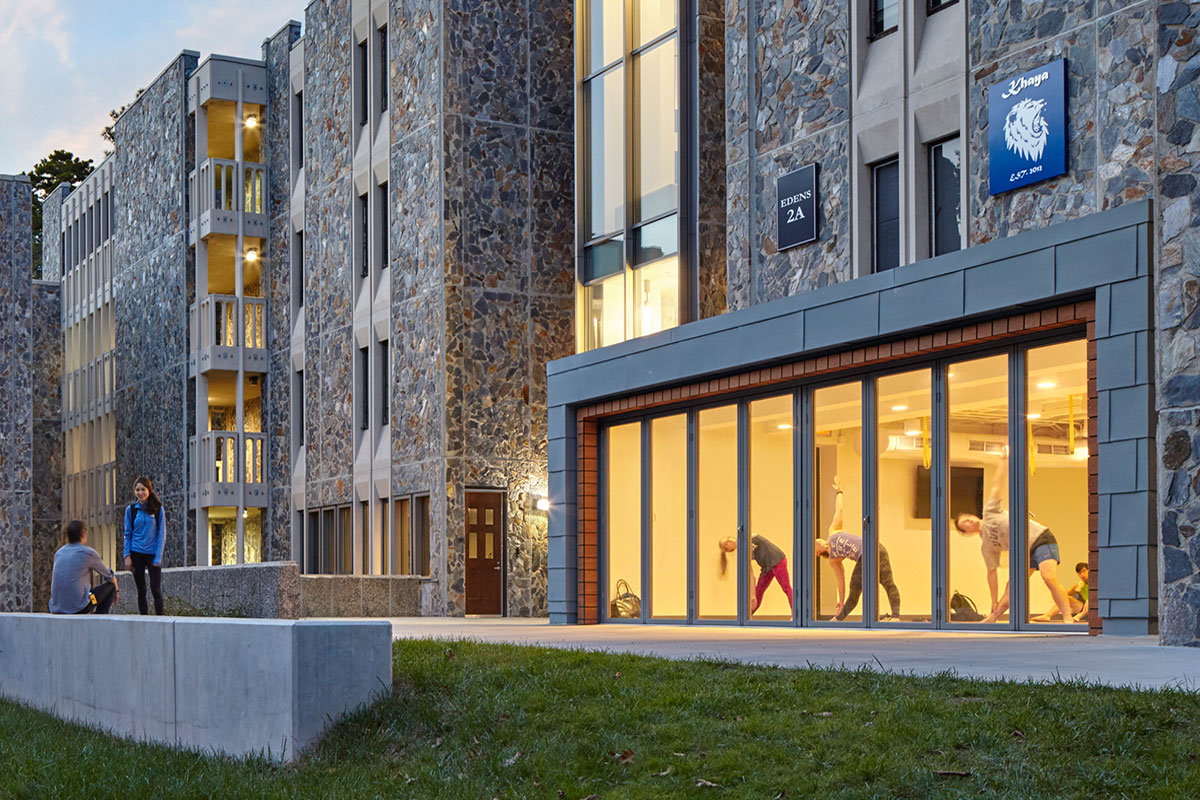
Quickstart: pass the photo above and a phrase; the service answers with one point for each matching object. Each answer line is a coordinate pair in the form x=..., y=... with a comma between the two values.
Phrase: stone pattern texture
x=47, y=350
x=277, y=544
x=711, y=208
x=329, y=193
x=150, y=297
x=269, y=590
x=360, y=596
x=52, y=248
x=481, y=250
x=1176, y=132
x=794, y=110
x=16, y=390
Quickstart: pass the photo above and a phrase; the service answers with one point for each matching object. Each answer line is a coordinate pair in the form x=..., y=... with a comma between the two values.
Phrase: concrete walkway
x=1113, y=661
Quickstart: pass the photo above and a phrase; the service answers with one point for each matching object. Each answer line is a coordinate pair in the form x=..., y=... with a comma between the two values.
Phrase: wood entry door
x=485, y=552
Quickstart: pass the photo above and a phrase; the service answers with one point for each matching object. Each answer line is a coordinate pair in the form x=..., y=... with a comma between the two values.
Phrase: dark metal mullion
x=657, y=40
x=647, y=562
x=940, y=489
x=802, y=458
x=743, y=511
x=688, y=147
x=1018, y=511
x=651, y=220
x=607, y=68
x=602, y=238
x=691, y=472
x=870, y=501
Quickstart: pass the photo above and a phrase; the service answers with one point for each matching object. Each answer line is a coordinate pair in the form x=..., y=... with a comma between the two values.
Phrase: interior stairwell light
x=251, y=122
x=252, y=256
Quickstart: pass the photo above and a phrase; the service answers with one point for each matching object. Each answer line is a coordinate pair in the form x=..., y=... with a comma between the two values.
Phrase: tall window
x=298, y=131
x=364, y=233
x=298, y=406
x=383, y=69
x=360, y=63
x=945, y=207
x=884, y=16
x=885, y=182
x=298, y=269
x=384, y=387
x=629, y=267
x=381, y=201
x=364, y=368
x=938, y=5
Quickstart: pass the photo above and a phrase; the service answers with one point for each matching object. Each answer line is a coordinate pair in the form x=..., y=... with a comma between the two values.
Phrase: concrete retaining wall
x=236, y=687
x=265, y=591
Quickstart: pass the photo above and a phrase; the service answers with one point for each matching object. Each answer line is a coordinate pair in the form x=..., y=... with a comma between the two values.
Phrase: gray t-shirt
x=845, y=545
x=70, y=583
x=765, y=552
x=993, y=532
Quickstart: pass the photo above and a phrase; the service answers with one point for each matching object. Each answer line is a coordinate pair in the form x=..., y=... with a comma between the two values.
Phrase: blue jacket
x=144, y=533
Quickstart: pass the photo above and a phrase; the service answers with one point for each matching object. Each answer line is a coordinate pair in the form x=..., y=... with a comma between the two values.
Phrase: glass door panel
x=977, y=447
x=771, y=464
x=668, y=517
x=1056, y=394
x=837, y=461
x=716, y=512
x=904, y=530
x=623, y=519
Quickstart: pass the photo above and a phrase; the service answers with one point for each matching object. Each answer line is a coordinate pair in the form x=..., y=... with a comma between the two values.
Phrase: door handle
x=497, y=567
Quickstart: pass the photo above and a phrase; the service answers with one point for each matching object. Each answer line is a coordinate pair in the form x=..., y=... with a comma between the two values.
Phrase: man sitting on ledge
x=70, y=584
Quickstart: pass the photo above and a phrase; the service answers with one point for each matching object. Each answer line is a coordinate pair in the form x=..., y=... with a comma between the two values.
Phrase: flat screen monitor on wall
x=966, y=491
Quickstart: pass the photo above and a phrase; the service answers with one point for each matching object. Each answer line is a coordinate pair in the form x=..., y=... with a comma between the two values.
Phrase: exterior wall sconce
x=251, y=122
x=543, y=504
x=252, y=256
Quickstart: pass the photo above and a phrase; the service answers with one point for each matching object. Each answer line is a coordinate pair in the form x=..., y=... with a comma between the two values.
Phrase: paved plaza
x=1110, y=660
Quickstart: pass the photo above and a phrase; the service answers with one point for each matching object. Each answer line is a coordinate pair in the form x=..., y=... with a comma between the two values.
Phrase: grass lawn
x=479, y=721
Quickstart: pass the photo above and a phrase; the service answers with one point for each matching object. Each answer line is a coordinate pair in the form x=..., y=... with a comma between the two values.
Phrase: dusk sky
x=65, y=63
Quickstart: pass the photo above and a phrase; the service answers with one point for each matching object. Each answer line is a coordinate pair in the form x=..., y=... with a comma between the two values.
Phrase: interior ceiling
x=220, y=264
x=222, y=388
x=221, y=114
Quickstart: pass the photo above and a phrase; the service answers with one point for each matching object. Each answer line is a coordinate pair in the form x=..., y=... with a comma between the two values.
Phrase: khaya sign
x=1027, y=127
x=797, y=209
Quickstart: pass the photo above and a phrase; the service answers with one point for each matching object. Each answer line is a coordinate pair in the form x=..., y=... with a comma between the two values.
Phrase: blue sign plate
x=1027, y=127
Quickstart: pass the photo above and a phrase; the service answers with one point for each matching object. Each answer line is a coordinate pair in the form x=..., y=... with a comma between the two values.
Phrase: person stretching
x=840, y=546
x=772, y=565
x=992, y=528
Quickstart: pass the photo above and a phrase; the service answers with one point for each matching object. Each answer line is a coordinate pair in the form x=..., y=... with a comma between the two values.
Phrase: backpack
x=962, y=608
x=626, y=604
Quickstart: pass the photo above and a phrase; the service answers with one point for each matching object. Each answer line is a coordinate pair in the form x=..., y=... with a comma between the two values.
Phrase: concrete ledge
x=237, y=687
x=262, y=591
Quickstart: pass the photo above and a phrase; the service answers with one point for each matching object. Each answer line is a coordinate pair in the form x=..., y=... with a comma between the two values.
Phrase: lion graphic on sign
x=1025, y=130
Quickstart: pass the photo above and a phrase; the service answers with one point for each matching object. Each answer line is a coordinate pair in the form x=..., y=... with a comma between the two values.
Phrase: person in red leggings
x=772, y=566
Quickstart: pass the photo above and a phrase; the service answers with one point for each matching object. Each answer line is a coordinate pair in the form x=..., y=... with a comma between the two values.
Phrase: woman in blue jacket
x=145, y=534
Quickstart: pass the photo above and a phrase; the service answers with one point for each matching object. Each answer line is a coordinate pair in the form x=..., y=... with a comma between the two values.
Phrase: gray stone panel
x=1026, y=279
x=842, y=322
x=911, y=305
x=1097, y=259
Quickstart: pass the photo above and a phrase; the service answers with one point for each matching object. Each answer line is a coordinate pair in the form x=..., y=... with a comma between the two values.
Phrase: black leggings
x=885, y=580
x=105, y=593
x=141, y=563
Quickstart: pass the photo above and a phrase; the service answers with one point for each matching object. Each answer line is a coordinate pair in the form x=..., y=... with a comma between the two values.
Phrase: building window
x=945, y=200
x=381, y=202
x=384, y=386
x=298, y=269
x=885, y=182
x=629, y=267
x=383, y=69
x=409, y=551
x=938, y=5
x=364, y=232
x=298, y=406
x=360, y=63
x=420, y=530
x=364, y=527
x=364, y=368
x=298, y=132
x=884, y=17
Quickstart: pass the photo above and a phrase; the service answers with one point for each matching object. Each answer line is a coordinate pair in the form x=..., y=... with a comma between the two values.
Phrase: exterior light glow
x=252, y=256
x=543, y=504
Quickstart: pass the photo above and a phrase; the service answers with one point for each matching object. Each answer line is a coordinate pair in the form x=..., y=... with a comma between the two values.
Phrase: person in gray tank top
x=993, y=530
x=842, y=545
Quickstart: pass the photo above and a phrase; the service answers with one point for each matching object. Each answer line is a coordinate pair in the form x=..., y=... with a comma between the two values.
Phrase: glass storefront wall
x=908, y=478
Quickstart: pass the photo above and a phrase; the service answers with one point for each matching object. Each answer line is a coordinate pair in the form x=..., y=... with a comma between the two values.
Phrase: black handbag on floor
x=962, y=608
x=626, y=603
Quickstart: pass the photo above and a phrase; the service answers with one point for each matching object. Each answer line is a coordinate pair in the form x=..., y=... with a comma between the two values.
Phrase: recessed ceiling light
x=1046, y=384
x=251, y=122
x=1035, y=415
x=784, y=426
x=900, y=407
x=252, y=255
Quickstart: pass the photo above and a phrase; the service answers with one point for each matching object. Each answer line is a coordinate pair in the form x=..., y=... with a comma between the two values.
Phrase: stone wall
x=1175, y=94
x=47, y=366
x=329, y=193
x=16, y=412
x=277, y=543
x=151, y=270
x=52, y=246
x=263, y=591
x=360, y=595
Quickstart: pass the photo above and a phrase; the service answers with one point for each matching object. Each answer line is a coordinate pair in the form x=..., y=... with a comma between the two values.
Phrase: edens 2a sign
x=1027, y=127
x=796, y=206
